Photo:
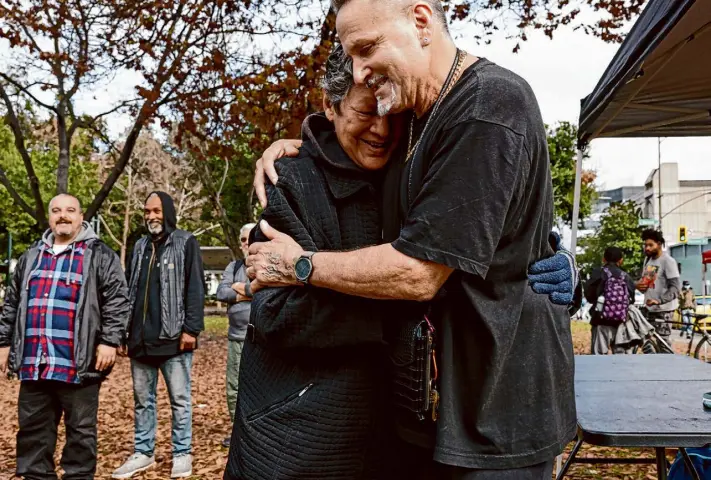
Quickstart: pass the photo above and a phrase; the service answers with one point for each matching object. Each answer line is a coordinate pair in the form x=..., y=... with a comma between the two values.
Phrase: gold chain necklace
x=449, y=84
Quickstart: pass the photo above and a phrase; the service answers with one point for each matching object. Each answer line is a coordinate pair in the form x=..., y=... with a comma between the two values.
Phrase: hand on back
x=265, y=165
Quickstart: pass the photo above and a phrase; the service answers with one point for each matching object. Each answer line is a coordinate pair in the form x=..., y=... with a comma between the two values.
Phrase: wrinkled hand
x=271, y=264
x=265, y=165
x=4, y=358
x=187, y=342
x=556, y=276
x=105, y=357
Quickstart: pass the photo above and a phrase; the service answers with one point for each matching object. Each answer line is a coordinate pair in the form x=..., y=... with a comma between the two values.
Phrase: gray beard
x=155, y=229
x=385, y=105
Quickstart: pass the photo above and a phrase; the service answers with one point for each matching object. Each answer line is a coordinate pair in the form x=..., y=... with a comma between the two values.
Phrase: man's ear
x=328, y=108
x=423, y=16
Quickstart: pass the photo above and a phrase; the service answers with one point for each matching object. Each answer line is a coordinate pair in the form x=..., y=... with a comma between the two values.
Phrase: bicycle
x=652, y=342
x=703, y=348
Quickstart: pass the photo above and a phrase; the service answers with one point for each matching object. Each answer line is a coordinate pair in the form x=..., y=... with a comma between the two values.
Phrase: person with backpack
x=232, y=292
x=610, y=291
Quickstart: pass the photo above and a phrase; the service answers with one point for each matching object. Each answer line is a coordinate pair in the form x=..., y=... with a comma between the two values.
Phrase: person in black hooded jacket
x=166, y=287
x=311, y=401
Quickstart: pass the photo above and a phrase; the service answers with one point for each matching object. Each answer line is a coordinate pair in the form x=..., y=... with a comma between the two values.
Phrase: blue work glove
x=556, y=276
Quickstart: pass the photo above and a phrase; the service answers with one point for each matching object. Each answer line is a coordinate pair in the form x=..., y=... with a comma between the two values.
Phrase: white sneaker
x=182, y=466
x=138, y=462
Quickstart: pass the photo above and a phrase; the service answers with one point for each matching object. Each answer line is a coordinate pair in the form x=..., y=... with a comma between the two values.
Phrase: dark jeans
x=415, y=463
x=40, y=406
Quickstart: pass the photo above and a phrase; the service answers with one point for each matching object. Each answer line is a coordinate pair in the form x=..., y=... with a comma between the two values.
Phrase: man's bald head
x=435, y=5
x=65, y=218
x=67, y=197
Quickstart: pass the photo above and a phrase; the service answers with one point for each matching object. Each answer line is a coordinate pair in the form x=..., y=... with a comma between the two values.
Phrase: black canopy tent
x=658, y=84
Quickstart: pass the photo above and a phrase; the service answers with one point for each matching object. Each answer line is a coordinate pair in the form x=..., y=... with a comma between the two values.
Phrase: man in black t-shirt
x=468, y=208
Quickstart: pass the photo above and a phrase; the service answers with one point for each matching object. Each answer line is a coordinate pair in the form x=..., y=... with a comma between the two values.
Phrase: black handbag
x=415, y=369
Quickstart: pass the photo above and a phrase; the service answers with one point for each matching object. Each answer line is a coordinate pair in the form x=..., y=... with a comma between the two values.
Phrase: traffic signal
x=682, y=234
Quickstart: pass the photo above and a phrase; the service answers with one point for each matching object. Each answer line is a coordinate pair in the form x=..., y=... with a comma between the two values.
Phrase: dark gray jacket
x=102, y=311
x=238, y=312
x=172, y=282
x=313, y=376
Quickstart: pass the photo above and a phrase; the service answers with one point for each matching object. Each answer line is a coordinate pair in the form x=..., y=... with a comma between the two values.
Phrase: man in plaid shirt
x=63, y=318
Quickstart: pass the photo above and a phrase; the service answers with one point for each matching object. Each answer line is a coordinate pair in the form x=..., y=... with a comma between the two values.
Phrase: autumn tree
x=43, y=153
x=606, y=19
x=213, y=67
x=61, y=50
x=152, y=167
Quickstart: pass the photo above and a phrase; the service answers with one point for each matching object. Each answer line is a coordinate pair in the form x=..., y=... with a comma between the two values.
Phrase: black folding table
x=652, y=401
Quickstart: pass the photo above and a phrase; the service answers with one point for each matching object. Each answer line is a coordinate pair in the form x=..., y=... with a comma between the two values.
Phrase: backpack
x=617, y=297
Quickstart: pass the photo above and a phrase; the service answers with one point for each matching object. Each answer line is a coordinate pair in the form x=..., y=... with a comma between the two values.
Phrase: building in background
x=688, y=257
x=616, y=195
x=605, y=198
x=684, y=203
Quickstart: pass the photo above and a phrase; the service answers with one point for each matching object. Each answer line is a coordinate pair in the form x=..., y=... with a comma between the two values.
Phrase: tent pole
x=576, y=200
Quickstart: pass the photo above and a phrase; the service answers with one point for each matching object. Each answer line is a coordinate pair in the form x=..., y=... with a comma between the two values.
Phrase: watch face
x=302, y=268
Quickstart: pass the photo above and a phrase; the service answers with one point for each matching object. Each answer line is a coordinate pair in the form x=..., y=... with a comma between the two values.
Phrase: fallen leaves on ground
x=211, y=423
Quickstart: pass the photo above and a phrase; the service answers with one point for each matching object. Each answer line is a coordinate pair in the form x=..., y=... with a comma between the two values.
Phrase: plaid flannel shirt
x=54, y=287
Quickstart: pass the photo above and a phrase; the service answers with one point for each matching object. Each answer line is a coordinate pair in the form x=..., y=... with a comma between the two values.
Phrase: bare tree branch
x=118, y=167
x=108, y=229
x=15, y=196
x=39, y=212
x=200, y=231
x=27, y=92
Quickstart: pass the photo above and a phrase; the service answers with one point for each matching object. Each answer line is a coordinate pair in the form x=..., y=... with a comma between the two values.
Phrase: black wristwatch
x=303, y=267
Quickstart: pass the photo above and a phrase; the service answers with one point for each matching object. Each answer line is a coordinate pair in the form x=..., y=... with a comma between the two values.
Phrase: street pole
x=659, y=179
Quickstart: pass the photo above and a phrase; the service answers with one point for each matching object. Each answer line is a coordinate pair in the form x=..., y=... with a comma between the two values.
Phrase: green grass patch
x=216, y=326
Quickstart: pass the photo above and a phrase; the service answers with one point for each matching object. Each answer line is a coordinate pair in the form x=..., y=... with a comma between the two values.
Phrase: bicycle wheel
x=649, y=347
x=703, y=350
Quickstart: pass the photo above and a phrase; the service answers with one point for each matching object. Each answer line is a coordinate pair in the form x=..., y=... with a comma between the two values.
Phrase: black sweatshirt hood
x=170, y=218
x=343, y=175
x=319, y=134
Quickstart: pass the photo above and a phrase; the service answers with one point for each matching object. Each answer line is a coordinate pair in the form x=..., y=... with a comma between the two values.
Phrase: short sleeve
x=671, y=269
x=459, y=214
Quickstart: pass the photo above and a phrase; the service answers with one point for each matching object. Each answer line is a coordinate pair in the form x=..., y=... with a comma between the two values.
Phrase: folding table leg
x=571, y=458
x=661, y=463
x=689, y=466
